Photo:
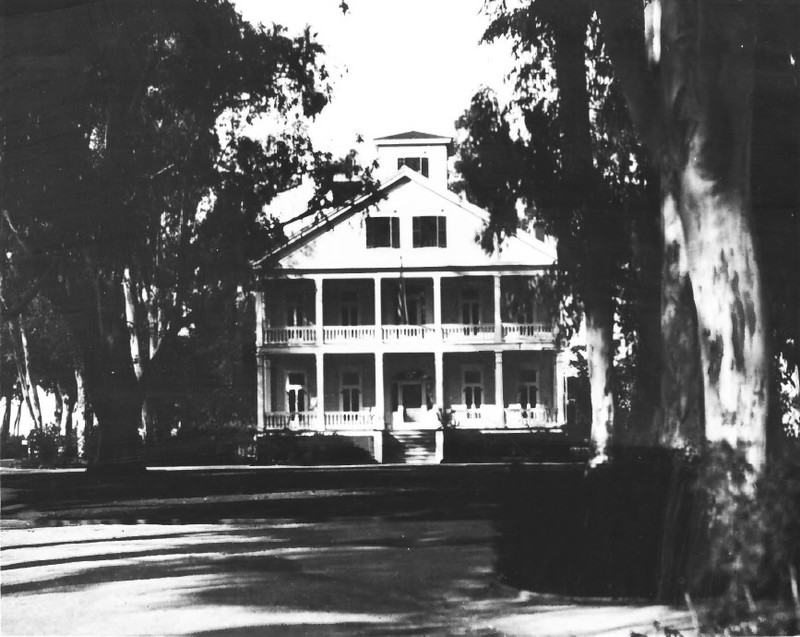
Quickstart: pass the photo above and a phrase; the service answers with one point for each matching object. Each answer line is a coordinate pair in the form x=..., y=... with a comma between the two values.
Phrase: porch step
x=418, y=447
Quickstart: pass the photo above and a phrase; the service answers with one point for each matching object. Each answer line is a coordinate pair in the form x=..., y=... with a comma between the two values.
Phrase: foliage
x=152, y=197
x=44, y=445
x=13, y=447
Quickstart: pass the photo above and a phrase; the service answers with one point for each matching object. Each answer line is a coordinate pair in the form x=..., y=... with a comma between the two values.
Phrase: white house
x=386, y=318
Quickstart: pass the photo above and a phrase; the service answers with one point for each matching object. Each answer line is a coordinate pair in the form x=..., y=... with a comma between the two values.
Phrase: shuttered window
x=383, y=232
x=429, y=232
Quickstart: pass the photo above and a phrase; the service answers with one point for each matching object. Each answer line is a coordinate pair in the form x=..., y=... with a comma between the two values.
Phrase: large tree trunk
x=599, y=355
x=708, y=73
x=580, y=201
x=6, y=428
x=66, y=422
x=58, y=411
x=695, y=116
x=680, y=421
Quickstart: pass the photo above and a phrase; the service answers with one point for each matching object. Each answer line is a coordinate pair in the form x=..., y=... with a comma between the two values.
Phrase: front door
x=410, y=395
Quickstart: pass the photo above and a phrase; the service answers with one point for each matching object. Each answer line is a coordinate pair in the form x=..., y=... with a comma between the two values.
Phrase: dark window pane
x=395, y=225
x=379, y=232
x=424, y=166
x=442, y=231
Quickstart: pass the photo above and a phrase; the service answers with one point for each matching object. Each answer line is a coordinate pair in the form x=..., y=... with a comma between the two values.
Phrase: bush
x=45, y=444
x=14, y=447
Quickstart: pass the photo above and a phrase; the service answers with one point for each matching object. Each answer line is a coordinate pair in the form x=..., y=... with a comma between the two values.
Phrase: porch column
x=267, y=384
x=378, y=317
x=438, y=372
x=259, y=301
x=380, y=408
x=498, y=386
x=320, y=391
x=560, y=388
x=498, y=325
x=318, y=309
x=437, y=304
x=261, y=393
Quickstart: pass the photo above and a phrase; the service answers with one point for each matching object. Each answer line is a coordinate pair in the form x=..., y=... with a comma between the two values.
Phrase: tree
x=111, y=142
x=692, y=104
x=589, y=190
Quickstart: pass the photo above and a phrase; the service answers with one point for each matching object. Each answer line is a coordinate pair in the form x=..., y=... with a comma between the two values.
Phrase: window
x=528, y=392
x=383, y=232
x=420, y=164
x=429, y=232
x=349, y=308
x=351, y=391
x=473, y=388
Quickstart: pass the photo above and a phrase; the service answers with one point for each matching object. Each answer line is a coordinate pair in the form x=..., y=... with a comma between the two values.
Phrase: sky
x=395, y=65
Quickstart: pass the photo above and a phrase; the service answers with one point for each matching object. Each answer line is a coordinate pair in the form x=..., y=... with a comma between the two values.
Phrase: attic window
x=383, y=232
x=429, y=232
x=420, y=164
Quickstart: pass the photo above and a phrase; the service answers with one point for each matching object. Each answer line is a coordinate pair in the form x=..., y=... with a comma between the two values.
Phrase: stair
x=418, y=447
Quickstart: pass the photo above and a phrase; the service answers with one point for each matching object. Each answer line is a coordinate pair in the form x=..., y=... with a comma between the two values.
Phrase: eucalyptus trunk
x=707, y=72
x=679, y=424
x=599, y=356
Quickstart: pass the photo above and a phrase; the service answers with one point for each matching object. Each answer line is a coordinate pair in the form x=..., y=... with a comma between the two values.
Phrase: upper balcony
x=542, y=333
x=420, y=311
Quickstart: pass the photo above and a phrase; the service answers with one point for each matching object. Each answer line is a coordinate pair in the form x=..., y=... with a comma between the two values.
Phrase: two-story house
x=387, y=318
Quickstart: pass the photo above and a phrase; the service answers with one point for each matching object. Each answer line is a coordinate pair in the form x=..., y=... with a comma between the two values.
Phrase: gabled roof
x=322, y=222
x=415, y=138
x=410, y=135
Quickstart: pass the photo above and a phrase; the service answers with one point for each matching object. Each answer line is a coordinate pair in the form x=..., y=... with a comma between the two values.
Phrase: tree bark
x=697, y=124
x=66, y=422
x=579, y=198
x=599, y=356
x=679, y=423
x=58, y=412
x=6, y=428
x=708, y=67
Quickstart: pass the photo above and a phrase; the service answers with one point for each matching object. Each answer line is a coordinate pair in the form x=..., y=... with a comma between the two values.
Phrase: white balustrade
x=290, y=420
x=539, y=416
x=474, y=332
x=349, y=419
x=407, y=332
x=450, y=332
x=300, y=335
x=539, y=332
x=476, y=417
x=347, y=333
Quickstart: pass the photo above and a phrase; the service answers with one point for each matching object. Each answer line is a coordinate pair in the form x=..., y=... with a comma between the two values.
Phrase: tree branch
x=622, y=25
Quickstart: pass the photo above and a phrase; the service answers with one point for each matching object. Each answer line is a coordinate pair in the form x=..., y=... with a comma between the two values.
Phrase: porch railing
x=528, y=332
x=290, y=420
x=407, y=332
x=518, y=416
x=345, y=333
x=349, y=419
x=304, y=335
x=477, y=417
x=450, y=332
x=475, y=332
